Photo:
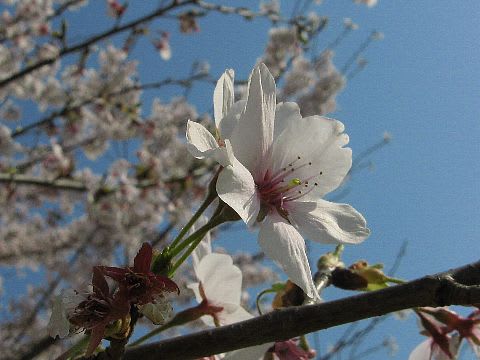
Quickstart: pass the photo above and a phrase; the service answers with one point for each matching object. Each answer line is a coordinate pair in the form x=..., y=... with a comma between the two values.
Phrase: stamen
x=281, y=186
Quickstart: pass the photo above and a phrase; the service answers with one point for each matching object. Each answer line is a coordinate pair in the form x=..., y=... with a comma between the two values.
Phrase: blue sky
x=421, y=84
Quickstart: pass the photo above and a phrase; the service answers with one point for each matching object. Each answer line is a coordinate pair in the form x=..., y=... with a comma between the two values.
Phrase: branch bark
x=94, y=39
x=455, y=287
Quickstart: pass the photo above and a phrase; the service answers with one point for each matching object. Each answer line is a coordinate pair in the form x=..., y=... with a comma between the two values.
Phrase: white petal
x=253, y=136
x=158, y=313
x=208, y=320
x=203, y=249
x=199, y=139
x=233, y=313
x=328, y=222
x=231, y=119
x=195, y=287
x=223, y=96
x=201, y=144
x=221, y=280
x=58, y=324
x=250, y=353
x=422, y=351
x=318, y=142
x=282, y=243
x=285, y=114
x=236, y=187
x=454, y=343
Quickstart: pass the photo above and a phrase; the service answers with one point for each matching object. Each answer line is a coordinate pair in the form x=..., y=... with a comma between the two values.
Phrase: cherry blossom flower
x=219, y=288
x=99, y=310
x=163, y=46
x=439, y=345
x=115, y=10
x=141, y=284
x=281, y=167
x=443, y=320
x=289, y=350
x=430, y=350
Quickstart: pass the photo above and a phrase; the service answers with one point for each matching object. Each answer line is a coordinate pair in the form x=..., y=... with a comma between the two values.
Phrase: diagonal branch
x=454, y=287
x=93, y=40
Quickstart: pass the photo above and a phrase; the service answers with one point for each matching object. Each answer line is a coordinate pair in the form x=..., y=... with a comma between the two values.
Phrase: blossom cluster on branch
x=92, y=181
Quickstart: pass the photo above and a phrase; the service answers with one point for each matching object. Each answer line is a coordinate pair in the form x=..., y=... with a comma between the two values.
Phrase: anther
x=316, y=184
x=298, y=157
x=310, y=163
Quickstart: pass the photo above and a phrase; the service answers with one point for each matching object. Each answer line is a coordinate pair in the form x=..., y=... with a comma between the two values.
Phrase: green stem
x=259, y=296
x=395, y=280
x=180, y=247
x=303, y=343
x=210, y=197
x=193, y=240
x=153, y=333
x=180, y=318
x=76, y=349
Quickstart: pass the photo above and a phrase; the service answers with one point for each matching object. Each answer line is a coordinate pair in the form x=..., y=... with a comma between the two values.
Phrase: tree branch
x=94, y=39
x=454, y=287
x=186, y=83
x=59, y=184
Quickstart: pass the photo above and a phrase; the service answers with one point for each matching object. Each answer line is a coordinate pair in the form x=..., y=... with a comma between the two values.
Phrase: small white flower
x=220, y=284
x=281, y=167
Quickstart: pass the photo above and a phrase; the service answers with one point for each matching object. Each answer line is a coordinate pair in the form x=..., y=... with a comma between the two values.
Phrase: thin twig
x=93, y=40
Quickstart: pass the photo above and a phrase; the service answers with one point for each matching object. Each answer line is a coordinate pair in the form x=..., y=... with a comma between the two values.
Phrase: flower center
x=287, y=184
x=90, y=312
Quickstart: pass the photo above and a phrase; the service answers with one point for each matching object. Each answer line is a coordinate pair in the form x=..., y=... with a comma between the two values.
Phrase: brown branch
x=48, y=119
x=455, y=287
x=93, y=40
x=60, y=184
